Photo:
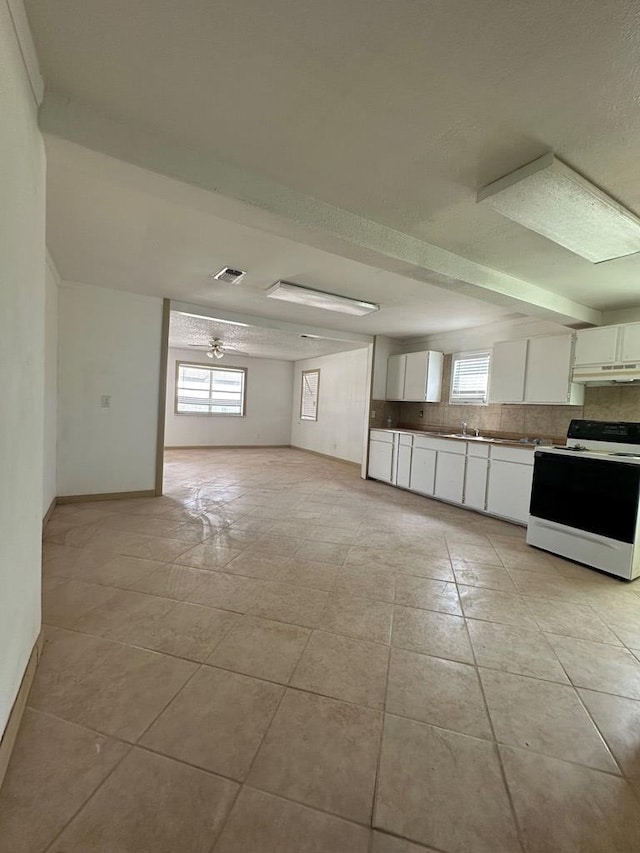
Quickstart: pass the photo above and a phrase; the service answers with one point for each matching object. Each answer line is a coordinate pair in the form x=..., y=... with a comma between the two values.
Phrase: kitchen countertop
x=509, y=442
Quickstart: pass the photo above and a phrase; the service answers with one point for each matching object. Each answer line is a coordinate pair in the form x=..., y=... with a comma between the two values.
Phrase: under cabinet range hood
x=604, y=374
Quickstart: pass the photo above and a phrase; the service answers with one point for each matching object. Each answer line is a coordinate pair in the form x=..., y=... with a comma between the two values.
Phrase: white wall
x=49, y=487
x=109, y=344
x=22, y=288
x=268, y=417
x=342, y=405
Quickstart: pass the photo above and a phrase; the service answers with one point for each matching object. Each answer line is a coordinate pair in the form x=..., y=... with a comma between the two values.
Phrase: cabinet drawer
x=523, y=455
x=450, y=445
x=406, y=440
x=481, y=451
x=381, y=435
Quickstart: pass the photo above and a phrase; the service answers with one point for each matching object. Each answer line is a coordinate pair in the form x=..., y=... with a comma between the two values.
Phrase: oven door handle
x=579, y=534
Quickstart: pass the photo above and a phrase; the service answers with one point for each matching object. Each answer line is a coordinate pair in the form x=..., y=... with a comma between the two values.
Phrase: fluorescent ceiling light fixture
x=213, y=319
x=319, y=299
x=550, y=198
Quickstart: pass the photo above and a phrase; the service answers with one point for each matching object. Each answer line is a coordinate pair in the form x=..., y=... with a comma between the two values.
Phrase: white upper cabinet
x=535, y=370
x=507, y=372
x=608, y=344
x=415, y=377
x=548, y=378
x=396, y=368
x=598, y=346
x=630, y=343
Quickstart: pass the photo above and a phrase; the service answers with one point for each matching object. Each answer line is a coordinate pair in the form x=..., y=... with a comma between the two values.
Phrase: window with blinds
x=469, y=377
x=204, y=390
x=309, y=395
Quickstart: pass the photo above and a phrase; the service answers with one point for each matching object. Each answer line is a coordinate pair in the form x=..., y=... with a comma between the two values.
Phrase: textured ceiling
x=397, y=110
x=254, y=341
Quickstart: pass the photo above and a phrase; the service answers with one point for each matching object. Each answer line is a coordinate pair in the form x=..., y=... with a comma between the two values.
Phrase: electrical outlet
x=421, y=413
x=373, y=413
x=105, y=401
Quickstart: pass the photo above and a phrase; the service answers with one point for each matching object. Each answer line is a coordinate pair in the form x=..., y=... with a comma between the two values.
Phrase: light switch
x=105, y=401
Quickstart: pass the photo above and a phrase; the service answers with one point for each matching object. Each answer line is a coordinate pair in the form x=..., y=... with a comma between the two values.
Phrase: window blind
x=309, y=396
x=469, y=377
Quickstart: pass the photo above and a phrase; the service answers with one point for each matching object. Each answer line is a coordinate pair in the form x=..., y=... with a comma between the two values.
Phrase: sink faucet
x=463, y=427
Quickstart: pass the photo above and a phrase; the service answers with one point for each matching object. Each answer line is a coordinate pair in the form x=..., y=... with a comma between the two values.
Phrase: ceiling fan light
x=218, y=352
x=209, y=353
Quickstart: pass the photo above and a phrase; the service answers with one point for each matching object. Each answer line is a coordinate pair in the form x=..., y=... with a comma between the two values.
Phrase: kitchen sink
x=468, y=437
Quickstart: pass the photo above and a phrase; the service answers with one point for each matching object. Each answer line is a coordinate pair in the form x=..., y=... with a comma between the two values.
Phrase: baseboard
x=48, y=514
x=15, y=717
x=224, y=446
x=357, y=465
x=105, y=496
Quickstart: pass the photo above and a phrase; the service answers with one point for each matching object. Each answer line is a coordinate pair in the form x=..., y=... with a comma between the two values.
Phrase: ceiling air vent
x=230, y=275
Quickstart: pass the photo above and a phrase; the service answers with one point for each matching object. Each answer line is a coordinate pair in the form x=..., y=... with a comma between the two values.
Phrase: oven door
x=593, y=495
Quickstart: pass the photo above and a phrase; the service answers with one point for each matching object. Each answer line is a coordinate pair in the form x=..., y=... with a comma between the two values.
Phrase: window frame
x=304, y=417
x=211, y=367
x=469, y=355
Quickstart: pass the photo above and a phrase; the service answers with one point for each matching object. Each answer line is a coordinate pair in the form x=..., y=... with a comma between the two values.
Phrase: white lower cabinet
x=509, y=484
x=450, y=476
x=475, y=477
x=490, y=478
x=423, y=470
x=475, y=482
x=381, y=449
x=403, y=467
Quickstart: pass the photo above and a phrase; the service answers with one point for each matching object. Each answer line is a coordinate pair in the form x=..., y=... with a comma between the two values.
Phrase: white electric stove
x=585, y=497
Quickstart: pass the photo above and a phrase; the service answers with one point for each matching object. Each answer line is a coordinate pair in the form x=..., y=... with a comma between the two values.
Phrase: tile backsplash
x=613, y=402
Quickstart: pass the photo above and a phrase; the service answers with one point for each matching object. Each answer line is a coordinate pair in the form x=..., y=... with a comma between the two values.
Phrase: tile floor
x=278, y=657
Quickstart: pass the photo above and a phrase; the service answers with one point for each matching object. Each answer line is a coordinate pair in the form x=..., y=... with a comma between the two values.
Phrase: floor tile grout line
x=604, y=740
x=384, y=715
x=496, y=749
x=58, y=835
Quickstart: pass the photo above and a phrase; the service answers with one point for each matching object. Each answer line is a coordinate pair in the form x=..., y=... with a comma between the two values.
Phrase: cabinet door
x=596, y=346
x=434, y=377
x=415, y=377
x=450, y=476
x=381, y=460
x=548, y=369
x=396, y=365
x=630, y=348
x=475, y=482
x=508, y=364
x=509, y=490
x=403, y=470
x=423, y=470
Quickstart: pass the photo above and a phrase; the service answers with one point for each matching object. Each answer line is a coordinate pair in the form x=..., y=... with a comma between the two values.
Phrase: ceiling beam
x=261, y=203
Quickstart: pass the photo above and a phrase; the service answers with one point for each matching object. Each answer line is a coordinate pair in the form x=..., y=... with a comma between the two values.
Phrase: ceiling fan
x=214, y=349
